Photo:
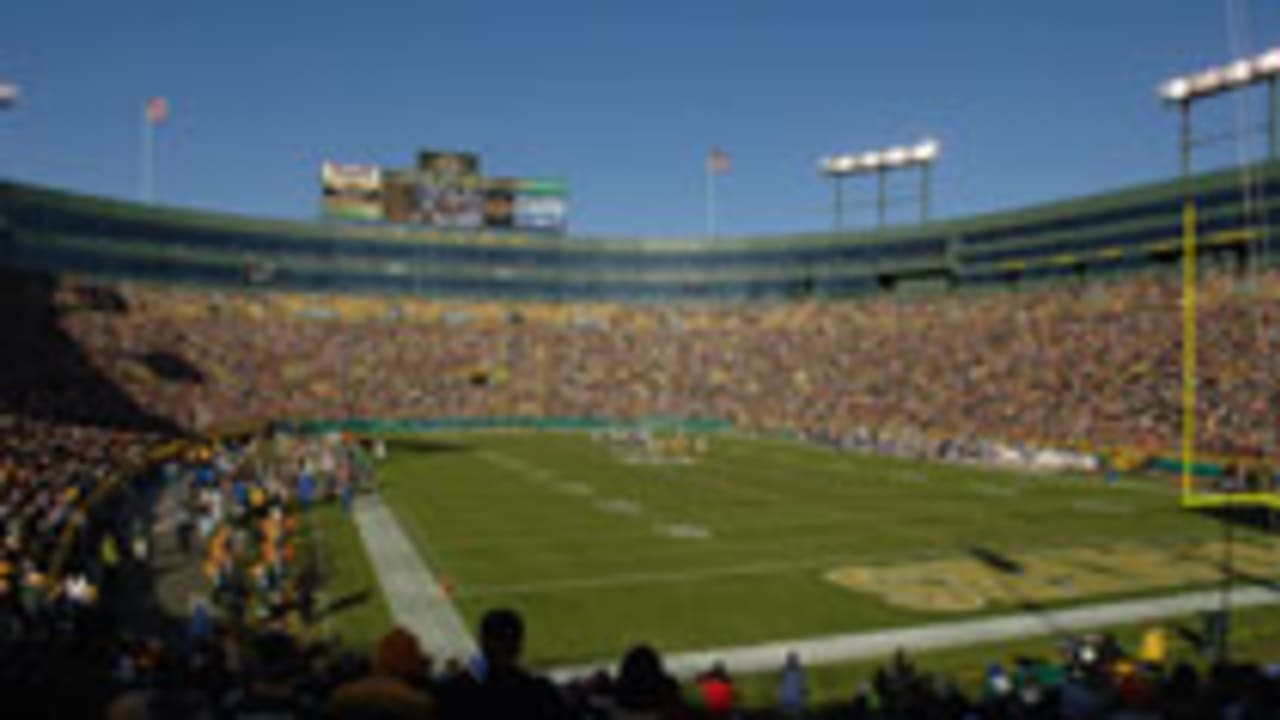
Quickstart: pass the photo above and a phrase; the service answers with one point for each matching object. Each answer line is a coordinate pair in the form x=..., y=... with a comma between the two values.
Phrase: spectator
x=497, y=687
x=396, y=688
x=645, y=690
x=793, y=691
x=716, y=689
x=267, y=692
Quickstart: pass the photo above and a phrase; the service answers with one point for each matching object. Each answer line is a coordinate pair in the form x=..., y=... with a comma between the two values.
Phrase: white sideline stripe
x=413, y=594
x=831, y=649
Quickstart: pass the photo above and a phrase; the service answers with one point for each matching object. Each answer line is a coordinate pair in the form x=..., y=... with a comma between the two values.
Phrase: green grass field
x=735, y=548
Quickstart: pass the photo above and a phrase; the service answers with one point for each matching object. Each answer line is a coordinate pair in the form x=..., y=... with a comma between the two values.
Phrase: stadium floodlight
x=1211, y=81
x=1176, y=90
x=926, y=151
x=838, y=164
x=1239, y=72
x=1185, y=90
x=878, y=162
x=9, y=94
x=1268, y=63
x=1208, y=82
x=897, y=156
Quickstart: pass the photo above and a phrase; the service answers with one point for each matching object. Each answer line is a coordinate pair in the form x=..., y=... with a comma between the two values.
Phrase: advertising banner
x=351, y=191
x=541, y=204
x=500, y=202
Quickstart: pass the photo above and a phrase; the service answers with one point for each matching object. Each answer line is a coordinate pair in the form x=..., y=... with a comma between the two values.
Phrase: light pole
x=155, y=112
x=880, y=163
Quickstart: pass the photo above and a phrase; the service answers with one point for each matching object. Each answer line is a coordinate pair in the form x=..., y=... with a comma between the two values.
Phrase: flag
x=157, y=110
x=718, y=161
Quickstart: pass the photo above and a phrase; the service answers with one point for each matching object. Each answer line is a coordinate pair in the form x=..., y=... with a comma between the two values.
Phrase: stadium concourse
x=136, y=446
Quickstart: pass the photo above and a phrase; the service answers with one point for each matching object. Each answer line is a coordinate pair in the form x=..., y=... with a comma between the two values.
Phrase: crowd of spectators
x=66, y=549
x=1065, y=365
x=245, y=501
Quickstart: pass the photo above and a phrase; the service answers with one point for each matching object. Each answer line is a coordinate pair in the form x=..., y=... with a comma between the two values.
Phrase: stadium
x=237, y=452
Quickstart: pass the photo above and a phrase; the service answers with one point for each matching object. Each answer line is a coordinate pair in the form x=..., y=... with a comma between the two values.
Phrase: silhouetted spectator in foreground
x=269, y=689
x=393, y=691
x=496, y=686
x=645, y=690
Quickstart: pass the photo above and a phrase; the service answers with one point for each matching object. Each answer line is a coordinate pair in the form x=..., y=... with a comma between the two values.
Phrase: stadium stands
x=1071, y=365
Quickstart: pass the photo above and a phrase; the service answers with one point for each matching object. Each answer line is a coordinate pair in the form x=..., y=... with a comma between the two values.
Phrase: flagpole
x=148, y=192
x=711, y=200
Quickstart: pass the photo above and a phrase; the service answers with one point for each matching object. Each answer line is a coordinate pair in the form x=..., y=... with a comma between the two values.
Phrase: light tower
x=880, y=163
x=1185, y=90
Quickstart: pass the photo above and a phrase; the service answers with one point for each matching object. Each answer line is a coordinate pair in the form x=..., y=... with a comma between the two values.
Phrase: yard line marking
x=620, y=506
x=683, y=531
x=1103, y=507
x=909, y=476
x=994, y=490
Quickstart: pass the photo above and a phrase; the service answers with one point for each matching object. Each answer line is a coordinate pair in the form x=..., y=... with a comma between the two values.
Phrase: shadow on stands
x=45, y=374
x=58, y=657
x=174, y=368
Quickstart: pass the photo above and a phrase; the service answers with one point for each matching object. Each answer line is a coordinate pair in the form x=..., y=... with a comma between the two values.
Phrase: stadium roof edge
x=946, y=228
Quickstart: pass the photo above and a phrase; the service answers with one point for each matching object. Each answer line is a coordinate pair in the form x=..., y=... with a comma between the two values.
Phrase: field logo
x=982, y=578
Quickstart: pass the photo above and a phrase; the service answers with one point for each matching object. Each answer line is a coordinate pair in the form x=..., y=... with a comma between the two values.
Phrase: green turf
x=352, y=606
x=555, y=526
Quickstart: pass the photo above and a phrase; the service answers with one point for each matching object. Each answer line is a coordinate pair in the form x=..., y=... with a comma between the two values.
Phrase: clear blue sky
x=1033, y=100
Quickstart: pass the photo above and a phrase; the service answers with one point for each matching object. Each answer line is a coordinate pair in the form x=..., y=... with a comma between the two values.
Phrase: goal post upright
x=1188, y=347
x=1183, y=92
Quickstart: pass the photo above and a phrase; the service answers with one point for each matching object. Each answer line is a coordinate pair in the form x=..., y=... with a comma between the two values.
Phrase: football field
x=762, y=539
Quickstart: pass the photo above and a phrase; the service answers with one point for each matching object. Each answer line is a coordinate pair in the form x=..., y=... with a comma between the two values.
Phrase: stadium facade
x=56, y=232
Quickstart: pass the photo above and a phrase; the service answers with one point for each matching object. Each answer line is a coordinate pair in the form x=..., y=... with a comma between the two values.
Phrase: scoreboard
x=445, y=189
